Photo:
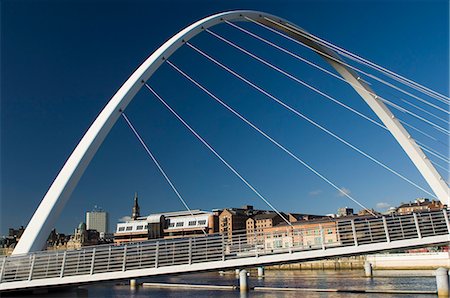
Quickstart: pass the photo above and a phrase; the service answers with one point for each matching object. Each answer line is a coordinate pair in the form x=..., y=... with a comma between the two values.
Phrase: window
x=192, y=223
x=146, y=227
x=121, y=229
x=171, y=225
x=330, y=231
x=277, y=244
x=139, y=227
x=180, y=224
x=129, y=228
x=202, y=222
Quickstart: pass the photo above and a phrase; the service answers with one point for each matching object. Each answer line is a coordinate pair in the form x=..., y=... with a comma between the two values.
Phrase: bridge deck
x=218, y=251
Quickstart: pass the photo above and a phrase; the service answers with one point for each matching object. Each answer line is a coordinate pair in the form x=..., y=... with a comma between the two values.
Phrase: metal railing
x=341, y=232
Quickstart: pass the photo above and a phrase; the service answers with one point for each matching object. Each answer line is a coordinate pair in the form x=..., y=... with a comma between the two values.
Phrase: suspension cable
x=436, y=126
x=422, y=132
x=401, y=109
x=441, y=167
x=306, y=118
x=215, y=153
x=425, y=111
x=158, y=165
x=412, y=84
x=296, y=79
x=266, y=135
x=321, y=69
x=349, y=66
x=433, y=152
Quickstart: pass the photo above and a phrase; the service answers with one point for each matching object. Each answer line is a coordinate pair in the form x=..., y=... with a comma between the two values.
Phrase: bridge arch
x=45, y=216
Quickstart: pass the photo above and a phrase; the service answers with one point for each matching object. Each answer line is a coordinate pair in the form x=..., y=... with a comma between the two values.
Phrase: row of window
x=190, y=223
x=130, y=228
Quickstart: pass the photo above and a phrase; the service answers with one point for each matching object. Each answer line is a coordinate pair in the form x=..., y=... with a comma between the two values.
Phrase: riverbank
x=400, y=261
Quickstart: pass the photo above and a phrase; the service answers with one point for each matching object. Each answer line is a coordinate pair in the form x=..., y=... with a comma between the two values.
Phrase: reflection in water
x=318, y=279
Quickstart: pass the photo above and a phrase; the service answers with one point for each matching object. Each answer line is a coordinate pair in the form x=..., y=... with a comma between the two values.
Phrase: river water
x=318, y=279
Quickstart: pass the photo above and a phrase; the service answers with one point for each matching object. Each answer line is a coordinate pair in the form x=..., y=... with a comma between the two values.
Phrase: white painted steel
x=243, y=281
x=213, y=252
x=217, y=265
x=417, y=156
x=44, y=218
x=442, y=282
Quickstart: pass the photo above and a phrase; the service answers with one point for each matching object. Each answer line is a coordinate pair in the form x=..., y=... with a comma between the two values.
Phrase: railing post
x=256, y=243
x=30, y=275
x=446, y=219
x=416, y=221
x=124, y=264
x=322, y=237
x=3, y=269
x=291, y=237
x=109, y=258
x=239, y=243
x=157, y=254
x=92, y=261
x=354, y=232
x=386, y=230
x=223, y=247
x=190, y=251
x=63, y=264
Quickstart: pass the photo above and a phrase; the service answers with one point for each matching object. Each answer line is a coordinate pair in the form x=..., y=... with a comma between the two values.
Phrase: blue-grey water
x=326, y=279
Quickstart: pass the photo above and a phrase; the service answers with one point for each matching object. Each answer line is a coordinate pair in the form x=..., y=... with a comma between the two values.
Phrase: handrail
x=340, y=232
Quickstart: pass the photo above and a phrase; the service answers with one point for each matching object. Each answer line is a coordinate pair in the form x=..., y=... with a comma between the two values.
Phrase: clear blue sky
x=61, y=61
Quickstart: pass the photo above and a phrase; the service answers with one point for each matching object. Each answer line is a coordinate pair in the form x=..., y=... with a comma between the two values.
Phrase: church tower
x=136, y=211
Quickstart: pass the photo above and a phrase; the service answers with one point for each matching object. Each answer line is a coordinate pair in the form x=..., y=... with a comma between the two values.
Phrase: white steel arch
x=45, y=216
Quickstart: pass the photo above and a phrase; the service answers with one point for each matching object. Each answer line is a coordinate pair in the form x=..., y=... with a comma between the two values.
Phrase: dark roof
x=303, y=215
x=265, y=215
x=418, y=204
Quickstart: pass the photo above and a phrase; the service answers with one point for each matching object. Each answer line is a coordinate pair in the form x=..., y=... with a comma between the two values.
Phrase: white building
x=97, y=220
x=167, y=225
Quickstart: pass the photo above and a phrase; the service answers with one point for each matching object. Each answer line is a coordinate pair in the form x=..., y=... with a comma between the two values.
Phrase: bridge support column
x=368, y=269
x=261, y=271
x=243, y=281
x=442, y=282
x=237, y=271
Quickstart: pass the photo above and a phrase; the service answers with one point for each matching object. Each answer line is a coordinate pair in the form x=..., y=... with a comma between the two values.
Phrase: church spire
x=136, y=211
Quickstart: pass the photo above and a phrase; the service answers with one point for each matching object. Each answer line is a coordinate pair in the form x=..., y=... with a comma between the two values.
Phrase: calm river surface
x=323, y=279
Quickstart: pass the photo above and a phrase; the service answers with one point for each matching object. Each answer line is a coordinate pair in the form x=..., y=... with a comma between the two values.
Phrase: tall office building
x=97, y=220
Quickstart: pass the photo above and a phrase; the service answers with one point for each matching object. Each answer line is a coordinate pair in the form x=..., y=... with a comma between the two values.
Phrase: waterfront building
x=257, y=224
x=57, y=240
x=345, y=211
x=369, y=212
x=302, y=234
x=83, y=237
x=97, y=220
x=420, y=205
x=234, y=220
x=294, y=217
x=165, y=225
x=8, y=243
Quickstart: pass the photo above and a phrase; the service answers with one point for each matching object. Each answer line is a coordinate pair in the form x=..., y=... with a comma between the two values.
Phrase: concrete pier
x=243, y=281
x=133, y=283
x=368, y=269
x=261, y=271
x=236, y=271
x=442, y=282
